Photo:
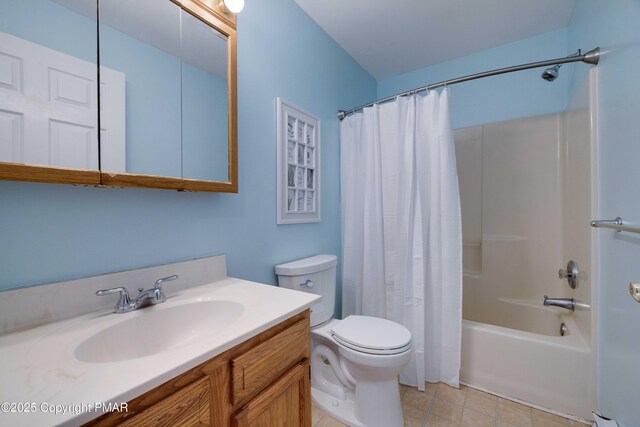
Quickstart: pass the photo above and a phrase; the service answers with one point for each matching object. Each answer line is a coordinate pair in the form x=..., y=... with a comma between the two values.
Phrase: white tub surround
x=41, y=364
x=528, y=192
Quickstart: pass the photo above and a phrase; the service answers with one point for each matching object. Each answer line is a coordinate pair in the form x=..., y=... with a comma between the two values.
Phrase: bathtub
x=518, y=352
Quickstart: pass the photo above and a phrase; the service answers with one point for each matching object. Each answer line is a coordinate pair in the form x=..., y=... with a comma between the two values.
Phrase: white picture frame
x=298, y=164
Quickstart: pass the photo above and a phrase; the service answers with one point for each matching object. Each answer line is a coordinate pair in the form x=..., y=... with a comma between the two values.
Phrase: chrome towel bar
x=616, y=224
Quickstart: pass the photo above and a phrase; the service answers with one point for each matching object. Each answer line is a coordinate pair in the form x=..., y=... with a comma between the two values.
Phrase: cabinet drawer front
x=261, y=365
x=190, y=406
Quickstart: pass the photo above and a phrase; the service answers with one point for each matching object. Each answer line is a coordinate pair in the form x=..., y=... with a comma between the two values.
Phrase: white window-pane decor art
x=298, y=143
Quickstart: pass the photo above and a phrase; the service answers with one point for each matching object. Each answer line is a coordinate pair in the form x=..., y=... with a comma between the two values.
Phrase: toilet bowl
x=358, y=386
x=355, y=362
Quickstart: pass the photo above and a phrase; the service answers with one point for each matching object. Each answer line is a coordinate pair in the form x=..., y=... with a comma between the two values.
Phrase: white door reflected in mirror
x=48, y=108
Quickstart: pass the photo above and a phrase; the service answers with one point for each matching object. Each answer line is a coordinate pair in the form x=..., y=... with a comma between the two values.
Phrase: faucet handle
x=123, y=291
x=123, y=301
x=571, y=274
x=158, y=292
x=159, y=282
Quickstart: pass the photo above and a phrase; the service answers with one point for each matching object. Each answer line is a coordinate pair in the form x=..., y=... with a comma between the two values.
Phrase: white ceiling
x=395, y=36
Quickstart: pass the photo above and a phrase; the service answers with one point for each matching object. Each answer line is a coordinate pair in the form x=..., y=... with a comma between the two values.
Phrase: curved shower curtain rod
x=591, y=57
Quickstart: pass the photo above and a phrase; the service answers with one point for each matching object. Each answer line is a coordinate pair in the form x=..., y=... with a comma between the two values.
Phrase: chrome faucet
x=568, y=303
x=154, y=295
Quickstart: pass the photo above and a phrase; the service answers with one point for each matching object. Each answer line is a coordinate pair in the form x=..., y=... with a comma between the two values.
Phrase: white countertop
x=39, y=370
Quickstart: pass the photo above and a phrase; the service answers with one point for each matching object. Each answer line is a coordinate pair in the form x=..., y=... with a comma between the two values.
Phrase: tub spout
x=567, y=303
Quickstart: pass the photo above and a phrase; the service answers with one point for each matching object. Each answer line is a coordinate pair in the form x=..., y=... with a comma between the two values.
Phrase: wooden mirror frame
x=212, y=14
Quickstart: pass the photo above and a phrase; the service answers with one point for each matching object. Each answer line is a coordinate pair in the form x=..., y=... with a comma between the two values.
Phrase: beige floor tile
x=471, y=418
x=414, y=417
x=573, y=423
x=541, y=422
x=403, y=389
x=327, y=421
x=546, y=419
x=514, y=414
x=430, y=388
x=465, y=388
x=450, y=394
x=436, y=421
x=506, y=403
x=482, y=402
x=476, y=409
x=416, y=399
x=316, y=414
x=446, y=410
x=515, y=418
x=476, y=392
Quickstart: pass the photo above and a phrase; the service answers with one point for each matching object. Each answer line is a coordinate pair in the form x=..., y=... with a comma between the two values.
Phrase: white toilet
x=355, y=362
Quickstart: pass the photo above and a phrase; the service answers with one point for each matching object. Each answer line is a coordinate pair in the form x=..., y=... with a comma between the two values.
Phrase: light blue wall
x=615, y=27
x=57, y=232
x=498, y=98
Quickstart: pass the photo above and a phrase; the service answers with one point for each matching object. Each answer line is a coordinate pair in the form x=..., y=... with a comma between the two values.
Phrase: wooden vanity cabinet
x=264, y=381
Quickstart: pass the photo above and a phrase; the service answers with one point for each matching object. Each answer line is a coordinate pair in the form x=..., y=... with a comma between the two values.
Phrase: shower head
x=550, y=74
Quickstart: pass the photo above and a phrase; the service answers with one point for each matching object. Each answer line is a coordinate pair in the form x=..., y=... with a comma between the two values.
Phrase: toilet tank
x=315, y=275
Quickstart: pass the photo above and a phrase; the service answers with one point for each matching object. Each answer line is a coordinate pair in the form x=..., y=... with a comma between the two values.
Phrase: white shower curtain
x=402, y=238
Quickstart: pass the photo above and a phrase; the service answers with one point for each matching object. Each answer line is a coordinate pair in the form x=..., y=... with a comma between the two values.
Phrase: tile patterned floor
x=444, y=406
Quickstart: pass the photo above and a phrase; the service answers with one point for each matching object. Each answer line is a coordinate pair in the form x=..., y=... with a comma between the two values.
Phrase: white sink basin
x=154, y=331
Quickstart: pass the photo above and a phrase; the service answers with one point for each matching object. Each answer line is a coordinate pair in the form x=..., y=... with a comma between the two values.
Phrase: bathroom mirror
x=204, y=101
x=166, y=104
x=140, y=98
x=48, y=91
x=171, y=99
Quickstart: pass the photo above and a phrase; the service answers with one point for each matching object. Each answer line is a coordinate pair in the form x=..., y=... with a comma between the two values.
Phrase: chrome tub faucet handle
x=568, y=303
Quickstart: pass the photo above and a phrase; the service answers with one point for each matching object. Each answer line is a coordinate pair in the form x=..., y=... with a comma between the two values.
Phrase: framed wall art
x=298, y=151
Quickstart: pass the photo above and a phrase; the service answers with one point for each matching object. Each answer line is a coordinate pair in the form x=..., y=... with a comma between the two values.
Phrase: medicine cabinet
x=126, y=94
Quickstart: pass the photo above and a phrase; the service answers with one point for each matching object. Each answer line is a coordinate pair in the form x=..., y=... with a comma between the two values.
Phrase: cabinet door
x=287, y=402
x=188, y=407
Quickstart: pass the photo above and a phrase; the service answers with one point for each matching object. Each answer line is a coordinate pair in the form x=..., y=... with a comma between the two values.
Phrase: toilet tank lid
x=307, y=265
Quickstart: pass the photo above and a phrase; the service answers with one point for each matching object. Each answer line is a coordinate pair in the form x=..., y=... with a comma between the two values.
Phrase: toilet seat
x=372, y=335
